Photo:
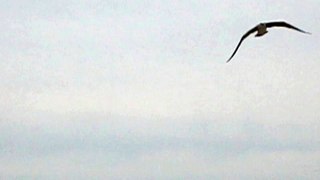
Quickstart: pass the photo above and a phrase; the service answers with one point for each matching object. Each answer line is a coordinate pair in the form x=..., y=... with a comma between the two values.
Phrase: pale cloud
x=140, y=89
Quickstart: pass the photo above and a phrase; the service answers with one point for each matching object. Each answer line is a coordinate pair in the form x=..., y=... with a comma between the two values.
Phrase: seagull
x=262, y=30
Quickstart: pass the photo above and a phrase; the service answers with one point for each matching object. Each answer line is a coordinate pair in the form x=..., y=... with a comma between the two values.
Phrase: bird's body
x=261, y=30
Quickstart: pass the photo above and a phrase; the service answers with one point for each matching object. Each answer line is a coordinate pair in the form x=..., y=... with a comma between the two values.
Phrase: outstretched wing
x=284, y=24
x=243, y=37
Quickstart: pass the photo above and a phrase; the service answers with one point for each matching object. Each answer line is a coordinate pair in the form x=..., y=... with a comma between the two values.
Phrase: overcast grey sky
x=140, y=90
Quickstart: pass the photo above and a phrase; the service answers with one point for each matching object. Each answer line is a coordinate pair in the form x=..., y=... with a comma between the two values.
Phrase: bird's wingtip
x=306, y=32
x=229, y=59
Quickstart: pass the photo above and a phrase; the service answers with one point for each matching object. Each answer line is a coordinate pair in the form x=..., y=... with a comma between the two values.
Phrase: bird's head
x=263, y=24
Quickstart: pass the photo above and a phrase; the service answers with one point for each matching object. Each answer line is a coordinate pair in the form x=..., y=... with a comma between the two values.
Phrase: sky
x=94, y=89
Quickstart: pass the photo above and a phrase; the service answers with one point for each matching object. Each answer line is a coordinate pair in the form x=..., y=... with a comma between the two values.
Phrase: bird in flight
x=261, y=30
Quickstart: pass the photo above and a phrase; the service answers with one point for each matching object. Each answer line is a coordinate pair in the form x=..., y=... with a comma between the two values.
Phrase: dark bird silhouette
x=261, y=30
